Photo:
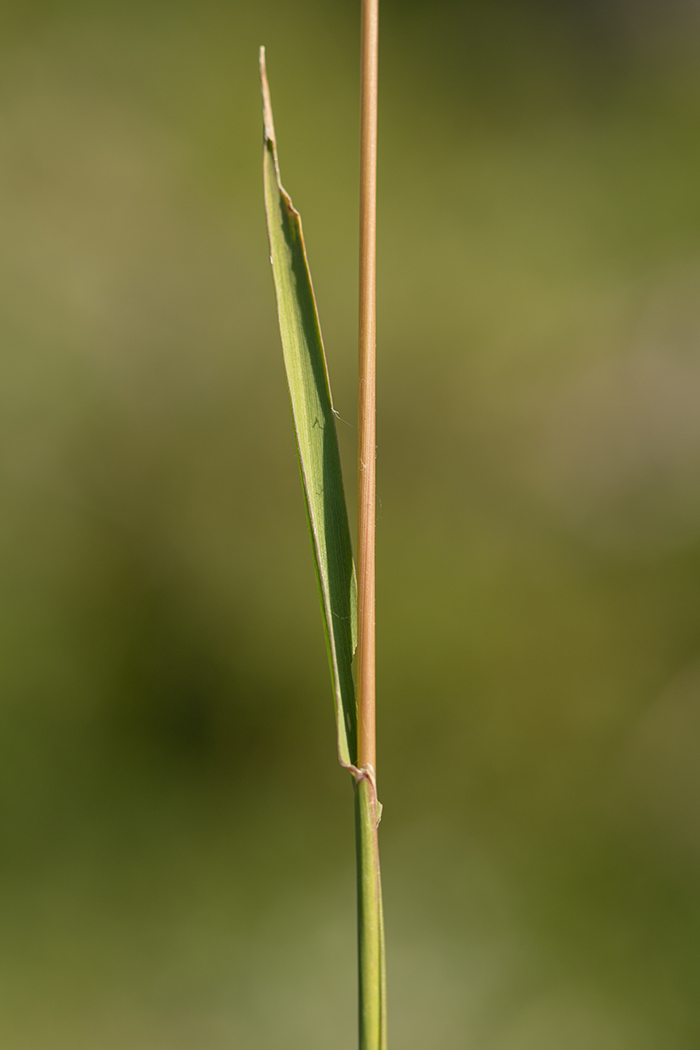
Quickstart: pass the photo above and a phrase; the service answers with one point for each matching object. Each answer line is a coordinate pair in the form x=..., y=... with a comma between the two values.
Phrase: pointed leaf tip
x=268, y=123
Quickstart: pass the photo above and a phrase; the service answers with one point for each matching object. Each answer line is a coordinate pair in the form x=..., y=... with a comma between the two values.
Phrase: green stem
x=370, y=919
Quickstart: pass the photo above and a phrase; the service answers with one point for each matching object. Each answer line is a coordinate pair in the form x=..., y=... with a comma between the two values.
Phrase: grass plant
x=347, y=602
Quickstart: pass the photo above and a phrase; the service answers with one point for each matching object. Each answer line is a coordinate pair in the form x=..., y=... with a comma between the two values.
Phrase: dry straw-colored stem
x=367, y=439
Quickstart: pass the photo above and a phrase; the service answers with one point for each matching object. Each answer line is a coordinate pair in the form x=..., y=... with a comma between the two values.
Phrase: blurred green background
x=176, y=866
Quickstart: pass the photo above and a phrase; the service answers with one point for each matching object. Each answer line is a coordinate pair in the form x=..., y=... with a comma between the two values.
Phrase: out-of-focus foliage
x=176, y=837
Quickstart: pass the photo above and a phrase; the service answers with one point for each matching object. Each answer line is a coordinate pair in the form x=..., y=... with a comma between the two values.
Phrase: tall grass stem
x=367, y=395
x=371, y=956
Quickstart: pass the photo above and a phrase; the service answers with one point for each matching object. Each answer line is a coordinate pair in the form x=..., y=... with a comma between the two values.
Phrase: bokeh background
x=176, y=844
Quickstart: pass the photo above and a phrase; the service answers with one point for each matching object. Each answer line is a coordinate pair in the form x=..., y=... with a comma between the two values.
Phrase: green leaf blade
x=315, y=431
